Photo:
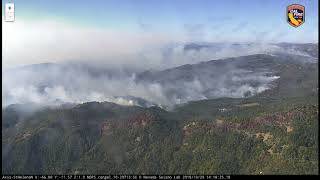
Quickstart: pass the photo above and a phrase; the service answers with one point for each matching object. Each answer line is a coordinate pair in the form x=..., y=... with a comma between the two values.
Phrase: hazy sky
x=57, y=30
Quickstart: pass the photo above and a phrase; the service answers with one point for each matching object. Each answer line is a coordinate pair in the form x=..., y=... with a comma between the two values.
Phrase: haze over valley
x=73, y=82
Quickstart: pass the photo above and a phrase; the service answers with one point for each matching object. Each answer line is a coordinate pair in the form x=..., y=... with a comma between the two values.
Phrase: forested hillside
x=274, y=132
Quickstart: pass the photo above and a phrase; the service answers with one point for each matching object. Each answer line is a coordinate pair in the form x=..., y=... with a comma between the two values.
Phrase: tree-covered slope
x=274, y=132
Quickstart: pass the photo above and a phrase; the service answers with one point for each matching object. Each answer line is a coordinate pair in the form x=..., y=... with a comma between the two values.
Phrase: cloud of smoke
x=65, y=83
x=99, y=65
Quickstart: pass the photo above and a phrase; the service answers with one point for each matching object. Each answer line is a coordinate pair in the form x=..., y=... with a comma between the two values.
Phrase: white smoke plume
x=65, y=83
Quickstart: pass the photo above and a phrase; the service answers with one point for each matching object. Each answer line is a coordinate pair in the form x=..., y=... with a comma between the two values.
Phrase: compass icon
x=9, y=12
